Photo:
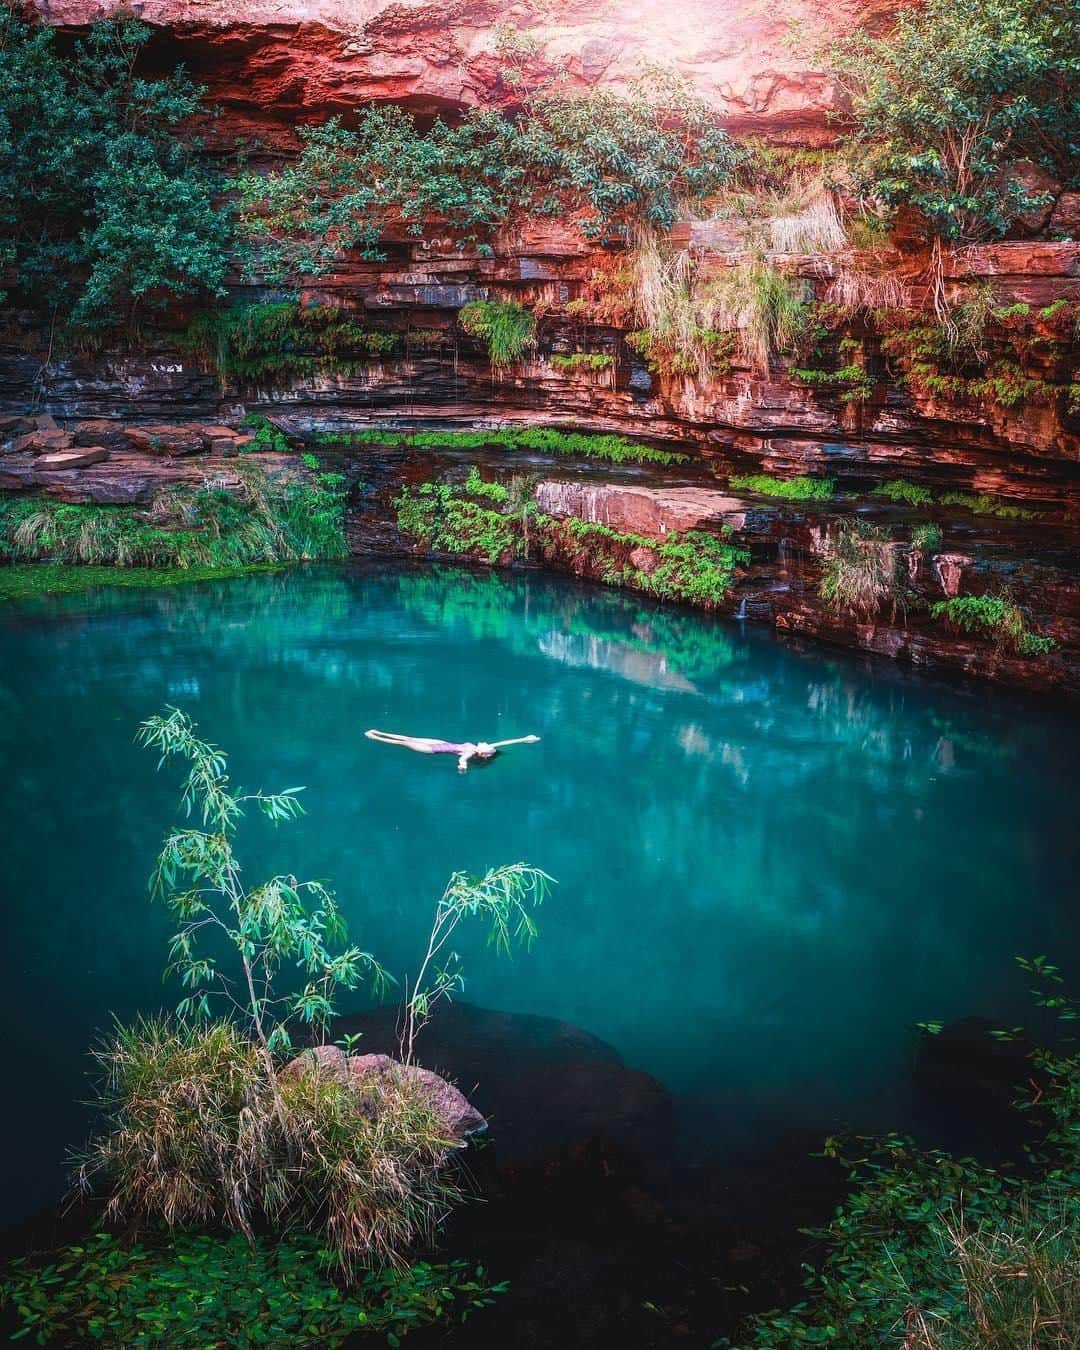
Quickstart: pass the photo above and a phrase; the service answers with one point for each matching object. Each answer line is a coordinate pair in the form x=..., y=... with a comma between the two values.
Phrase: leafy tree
x=961, y=91
x=105, y=200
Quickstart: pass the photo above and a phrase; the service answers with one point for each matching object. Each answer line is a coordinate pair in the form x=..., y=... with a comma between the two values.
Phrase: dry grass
x=1021, y=1283
x=861, y=292
x=862, y=574
x=815, y=227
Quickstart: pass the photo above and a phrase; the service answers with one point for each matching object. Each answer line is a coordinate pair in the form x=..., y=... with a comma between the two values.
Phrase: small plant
x=995, y=616
x=788, y=489
x=265, y=436
x=476, y=486
x=926, y=538
x=508, y=329
x=861, y=571
x=444, y=517
x=900, y=490
x=197, y=1288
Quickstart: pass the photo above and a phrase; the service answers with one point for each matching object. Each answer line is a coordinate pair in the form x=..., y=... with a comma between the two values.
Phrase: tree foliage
x=105, y=199
x=607, y=161
x=950, y=102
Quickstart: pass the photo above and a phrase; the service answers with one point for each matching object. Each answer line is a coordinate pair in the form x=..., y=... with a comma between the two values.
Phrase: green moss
x=982, y=504
x=543, y=440
x=27, y=581
x=790, y=489
x=994, y=616
x=587, y=361
x=900, y=490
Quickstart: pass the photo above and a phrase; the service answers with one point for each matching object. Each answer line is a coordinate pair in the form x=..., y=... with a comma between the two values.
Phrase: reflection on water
x=770, y=862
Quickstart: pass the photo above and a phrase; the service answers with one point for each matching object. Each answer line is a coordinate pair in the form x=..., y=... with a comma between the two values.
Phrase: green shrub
x=862, y=574
x=955, y=95
x=223, y=1293
x=994, y=616
x=443, y=517
x=931, y=1252
x=266, y=437
x=790, y=489
x=900, y=490
x=200, y=1124
x=853, y=382
x=507, y=328
x=693, y=567
x=106, y=199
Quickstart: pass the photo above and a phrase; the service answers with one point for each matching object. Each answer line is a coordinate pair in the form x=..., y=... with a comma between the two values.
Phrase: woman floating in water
x=465, y=750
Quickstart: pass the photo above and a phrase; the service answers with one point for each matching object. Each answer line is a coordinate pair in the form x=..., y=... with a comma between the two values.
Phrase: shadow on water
x=771, y=861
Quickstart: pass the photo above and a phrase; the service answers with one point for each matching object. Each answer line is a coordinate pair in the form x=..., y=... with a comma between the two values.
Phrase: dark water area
x=771, y=863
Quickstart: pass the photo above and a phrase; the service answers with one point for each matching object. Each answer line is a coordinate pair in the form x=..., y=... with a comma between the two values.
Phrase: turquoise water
x=771, y=861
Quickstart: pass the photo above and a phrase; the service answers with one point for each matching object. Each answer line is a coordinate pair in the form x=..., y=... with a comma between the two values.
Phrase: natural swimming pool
x=771, y=861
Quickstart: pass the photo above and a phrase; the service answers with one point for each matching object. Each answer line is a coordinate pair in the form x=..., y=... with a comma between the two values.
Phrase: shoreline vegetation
x=28, y=581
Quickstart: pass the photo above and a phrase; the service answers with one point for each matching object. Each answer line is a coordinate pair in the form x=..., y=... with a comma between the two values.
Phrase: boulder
x=166, y=439
x=74, y=459
x=101, y=431
x=41, y=442
x=15, y=424
x=1065, y=219
x=1036, y=182
x=328, y=1060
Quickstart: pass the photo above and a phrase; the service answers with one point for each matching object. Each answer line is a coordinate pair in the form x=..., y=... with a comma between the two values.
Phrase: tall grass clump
x=507, y=328
x=814, y=228
x=262, y=519
x=770, y=311
x=862, y=572
x=204, y=1121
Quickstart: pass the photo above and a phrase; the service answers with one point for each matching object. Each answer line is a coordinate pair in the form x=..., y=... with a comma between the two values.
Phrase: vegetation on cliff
x=262, y=519
x=607, y=162
x=106, y=199
x=949, y=106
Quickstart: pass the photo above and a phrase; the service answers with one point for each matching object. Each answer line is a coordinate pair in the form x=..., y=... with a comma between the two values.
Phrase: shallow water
x=771, y=861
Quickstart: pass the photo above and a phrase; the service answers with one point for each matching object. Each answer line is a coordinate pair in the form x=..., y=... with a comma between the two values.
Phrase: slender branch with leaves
x=502, y=896
x=281, y=921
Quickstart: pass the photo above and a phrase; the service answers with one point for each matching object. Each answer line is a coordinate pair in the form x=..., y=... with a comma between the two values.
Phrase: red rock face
x=301, y=60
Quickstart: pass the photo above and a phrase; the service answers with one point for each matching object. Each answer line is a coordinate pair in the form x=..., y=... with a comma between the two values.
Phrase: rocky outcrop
x=272, y=63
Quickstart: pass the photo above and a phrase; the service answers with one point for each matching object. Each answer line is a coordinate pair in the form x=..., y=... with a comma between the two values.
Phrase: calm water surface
x=771, y=862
